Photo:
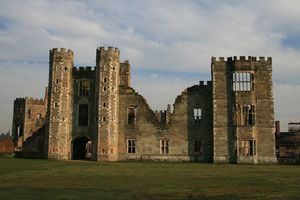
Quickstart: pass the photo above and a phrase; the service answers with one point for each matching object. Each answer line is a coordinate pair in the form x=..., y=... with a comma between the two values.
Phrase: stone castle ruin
x=94, y=113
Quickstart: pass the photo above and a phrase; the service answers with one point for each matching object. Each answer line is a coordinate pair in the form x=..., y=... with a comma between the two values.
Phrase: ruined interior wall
x=29, y=116
x=181, y=131
x=125, y=73
x=18, y=122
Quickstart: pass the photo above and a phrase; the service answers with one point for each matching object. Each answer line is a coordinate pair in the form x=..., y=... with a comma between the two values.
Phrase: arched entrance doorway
x=82, y=149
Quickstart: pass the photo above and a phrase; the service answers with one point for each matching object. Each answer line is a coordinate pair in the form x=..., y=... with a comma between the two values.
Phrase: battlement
x=242, y=58
x=84, y=69
x=111, y=49
x=83, y=72
x=30, y=100
x=61, y=50
x=18, y=100
x=34, y=101
x=202, y=83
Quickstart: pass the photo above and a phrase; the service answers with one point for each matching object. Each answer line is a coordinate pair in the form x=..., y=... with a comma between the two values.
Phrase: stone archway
x=82, y=147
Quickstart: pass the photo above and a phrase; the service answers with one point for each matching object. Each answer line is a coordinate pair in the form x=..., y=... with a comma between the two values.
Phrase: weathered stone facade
x=93, y=113
x=29, y=116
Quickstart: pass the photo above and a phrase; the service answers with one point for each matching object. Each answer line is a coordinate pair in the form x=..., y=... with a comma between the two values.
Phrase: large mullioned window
x=242, y=81
x=247, y=147
x=244, y=115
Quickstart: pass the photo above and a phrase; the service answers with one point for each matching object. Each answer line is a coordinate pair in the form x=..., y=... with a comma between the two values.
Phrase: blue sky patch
x=171, y=74
x=292, y=41
x=4, y=23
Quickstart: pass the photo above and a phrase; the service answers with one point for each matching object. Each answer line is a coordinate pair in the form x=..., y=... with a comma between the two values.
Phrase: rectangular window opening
x=197, y=116
x=84, y=88
x=164, y=146
x=198, y=147
x=131, y=115
x=247, y=147
x=83, y=115
x=243, y=115
x=131, y=146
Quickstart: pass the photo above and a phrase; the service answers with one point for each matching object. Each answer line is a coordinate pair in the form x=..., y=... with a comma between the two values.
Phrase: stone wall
x=181, y=132
x=243, y=110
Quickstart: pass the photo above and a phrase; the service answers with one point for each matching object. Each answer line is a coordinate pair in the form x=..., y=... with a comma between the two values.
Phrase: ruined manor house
x=94, y=113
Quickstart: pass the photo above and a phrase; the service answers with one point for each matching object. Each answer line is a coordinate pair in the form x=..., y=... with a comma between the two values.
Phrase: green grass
x=49, y=179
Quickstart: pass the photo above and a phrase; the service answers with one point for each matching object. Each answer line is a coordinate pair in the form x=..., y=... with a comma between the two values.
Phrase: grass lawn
x=49, y=179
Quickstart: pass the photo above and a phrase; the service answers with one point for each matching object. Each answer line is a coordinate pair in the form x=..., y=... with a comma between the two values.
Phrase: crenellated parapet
x=86, y=71
x=35, y=101
x=242, y=58
x=241, y=63
x=61, y=50
x=111, y=49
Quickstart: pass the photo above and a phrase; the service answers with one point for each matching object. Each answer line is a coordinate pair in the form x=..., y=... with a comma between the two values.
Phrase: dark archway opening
x=82, y=149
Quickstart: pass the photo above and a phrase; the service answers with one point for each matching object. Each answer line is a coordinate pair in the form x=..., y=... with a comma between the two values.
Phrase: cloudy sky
x=169, y=43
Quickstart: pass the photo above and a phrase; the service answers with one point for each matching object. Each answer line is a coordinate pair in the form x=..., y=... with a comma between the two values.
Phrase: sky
x=168, y=43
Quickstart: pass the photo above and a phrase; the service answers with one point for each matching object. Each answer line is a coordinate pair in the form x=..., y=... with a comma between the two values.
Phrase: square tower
x=243, y=125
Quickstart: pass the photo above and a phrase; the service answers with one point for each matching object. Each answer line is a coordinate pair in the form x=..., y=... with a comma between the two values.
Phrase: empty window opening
x=242, y=81
x=84, y=88
x=55, y=104
x=247, y=147
x=197, y=116
x=198, y=147
x=38, y=115
x=83, y=115
x=244, y=115
x=104, y=105
x=131, y=116
x=164, y=146
x=57, y=80
x=104, y=89
x=20, y=130
x=131, y=146
x=103, y=119
x=105, y=80
x=66, y=69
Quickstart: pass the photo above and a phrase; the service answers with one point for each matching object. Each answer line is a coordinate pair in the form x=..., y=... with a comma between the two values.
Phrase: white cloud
x=154, y=35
